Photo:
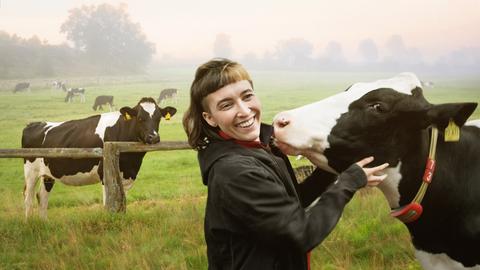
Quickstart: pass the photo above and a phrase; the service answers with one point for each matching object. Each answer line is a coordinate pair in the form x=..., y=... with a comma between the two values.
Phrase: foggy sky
x=189, y=29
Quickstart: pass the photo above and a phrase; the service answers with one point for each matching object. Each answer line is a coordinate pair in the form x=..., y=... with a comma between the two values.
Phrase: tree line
x=102, y=41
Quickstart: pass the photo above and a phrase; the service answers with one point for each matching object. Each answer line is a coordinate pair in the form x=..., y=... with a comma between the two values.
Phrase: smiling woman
x=256, y=215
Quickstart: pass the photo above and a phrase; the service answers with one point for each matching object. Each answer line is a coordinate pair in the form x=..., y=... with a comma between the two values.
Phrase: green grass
x=163, y=227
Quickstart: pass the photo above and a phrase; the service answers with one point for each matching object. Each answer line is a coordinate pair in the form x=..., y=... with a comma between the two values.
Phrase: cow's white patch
x=473, y=123
x=106, y=120
x=389, y=186
x=82, y=178
x=38, y=168
x=149, y=107
x=309, y=126
x=50, y=126
x=440, y=262
x=127, y=183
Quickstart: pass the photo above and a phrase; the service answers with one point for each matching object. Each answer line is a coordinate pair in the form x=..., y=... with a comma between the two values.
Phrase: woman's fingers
x=374, y=180
x=373, y=174
x=376, y=169
x=364, y=161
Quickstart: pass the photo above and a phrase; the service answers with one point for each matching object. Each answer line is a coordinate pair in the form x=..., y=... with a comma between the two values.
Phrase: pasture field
x=163, y=226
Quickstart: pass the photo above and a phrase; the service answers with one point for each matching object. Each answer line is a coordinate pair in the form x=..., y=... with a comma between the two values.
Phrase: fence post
x=115, y=200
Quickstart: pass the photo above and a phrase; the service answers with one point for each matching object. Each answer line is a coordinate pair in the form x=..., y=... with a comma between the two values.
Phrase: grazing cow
x=166, y=94
x=72, y=92
x=103, y=100
x=21, y=87
x=391, y=120
x=139, y=123
x=427, y=84
x=59, y=85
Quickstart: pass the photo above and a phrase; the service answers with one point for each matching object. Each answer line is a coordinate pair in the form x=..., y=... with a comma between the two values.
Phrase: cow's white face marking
x=439, y=262
x=309, y=126
x=106, y=120
x=149, y=107
x=389, y=186
x=49, y=127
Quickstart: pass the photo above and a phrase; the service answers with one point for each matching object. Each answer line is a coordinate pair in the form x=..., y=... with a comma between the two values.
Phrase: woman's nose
x=243, y=108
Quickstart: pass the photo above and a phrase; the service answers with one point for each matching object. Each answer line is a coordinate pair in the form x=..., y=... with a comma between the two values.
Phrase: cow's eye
x=376, y=107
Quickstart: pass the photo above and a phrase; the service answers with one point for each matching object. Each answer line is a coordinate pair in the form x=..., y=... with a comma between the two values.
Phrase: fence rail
x=115, y=200
x=52, y=153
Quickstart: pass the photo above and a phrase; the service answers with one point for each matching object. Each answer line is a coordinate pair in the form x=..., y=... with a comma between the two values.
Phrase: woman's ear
x=208, y=117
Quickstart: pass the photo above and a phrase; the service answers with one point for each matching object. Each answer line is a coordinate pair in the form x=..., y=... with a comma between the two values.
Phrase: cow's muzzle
x=151, y=139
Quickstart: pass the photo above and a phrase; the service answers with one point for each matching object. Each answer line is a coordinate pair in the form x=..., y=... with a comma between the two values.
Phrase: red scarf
x=248, y=144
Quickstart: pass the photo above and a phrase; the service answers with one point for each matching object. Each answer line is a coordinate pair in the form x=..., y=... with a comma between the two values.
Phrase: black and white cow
x=72, y=92
x=390, y=120
x=21, y=87
x=59, y=85
x=166, y=94
x=103, y=100
x=139, y=123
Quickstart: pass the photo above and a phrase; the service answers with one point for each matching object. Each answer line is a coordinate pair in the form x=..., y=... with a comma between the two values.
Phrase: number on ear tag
x=452, y=132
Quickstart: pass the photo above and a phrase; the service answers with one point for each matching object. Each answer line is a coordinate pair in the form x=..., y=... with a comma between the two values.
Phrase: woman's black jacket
x=255, y=214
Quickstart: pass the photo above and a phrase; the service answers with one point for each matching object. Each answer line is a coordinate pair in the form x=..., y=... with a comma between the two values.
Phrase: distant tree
x=294, y=52
x=399, y=55
x=368, y=50
x=334, y=53
x=108, y=38
x=222, y=47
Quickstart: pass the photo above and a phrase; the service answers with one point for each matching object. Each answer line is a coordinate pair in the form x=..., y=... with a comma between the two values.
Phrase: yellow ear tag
x=127, y=116
x=167, y=116
x=452, y=132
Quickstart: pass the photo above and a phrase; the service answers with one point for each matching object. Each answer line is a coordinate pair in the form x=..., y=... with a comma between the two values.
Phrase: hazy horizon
x=187, y=30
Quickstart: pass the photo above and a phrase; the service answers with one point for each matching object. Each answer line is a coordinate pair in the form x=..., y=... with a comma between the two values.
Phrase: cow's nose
x=153, y=138
x=281, y=120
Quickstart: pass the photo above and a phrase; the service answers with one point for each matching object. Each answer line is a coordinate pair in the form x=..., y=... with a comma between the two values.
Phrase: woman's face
x=236, y=110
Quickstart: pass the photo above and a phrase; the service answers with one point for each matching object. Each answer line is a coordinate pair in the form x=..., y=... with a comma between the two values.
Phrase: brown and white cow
x=139, y=123
x=391, y=120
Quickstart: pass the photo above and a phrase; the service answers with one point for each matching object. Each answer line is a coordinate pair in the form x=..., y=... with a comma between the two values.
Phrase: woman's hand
x=373, y=174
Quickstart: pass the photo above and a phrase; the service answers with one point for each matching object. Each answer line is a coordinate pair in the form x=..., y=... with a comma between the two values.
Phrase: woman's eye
x=225, y=106
x=248, y=97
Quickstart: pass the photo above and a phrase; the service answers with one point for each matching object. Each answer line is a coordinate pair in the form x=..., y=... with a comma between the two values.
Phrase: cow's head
x=379, y=119
x=146, y=117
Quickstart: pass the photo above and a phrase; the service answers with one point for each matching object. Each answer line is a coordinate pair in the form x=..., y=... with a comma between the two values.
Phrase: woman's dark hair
x=209, y=77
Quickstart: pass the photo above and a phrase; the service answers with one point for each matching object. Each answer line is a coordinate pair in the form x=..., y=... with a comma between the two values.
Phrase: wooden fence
x=115, y=200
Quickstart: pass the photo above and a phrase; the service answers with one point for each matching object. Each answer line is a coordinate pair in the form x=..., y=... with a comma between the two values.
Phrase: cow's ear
x=128, y=112
x=168, y=112
x=441, y=114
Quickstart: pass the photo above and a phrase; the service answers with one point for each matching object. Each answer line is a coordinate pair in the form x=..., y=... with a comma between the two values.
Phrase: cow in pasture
x=139, y=123
x=72, y=92
x=21, y=87
x=168, y=93
x=59, y=85
x=392, y=121
x=103, y=100
x=427, y=84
